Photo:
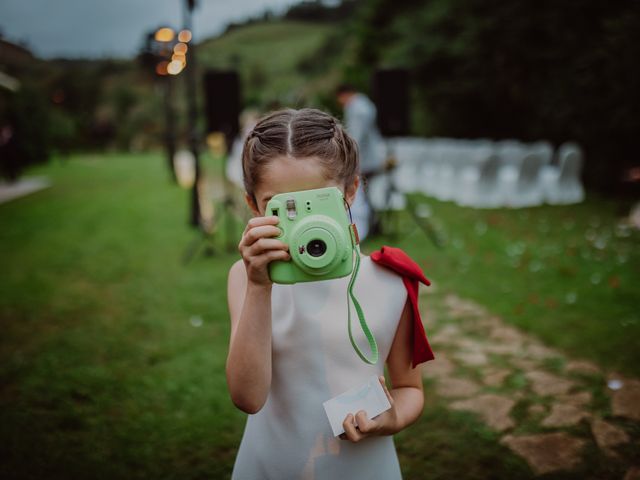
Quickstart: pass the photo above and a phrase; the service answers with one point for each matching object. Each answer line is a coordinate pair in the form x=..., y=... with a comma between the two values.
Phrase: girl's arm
x=406, y=396
x=248, y=366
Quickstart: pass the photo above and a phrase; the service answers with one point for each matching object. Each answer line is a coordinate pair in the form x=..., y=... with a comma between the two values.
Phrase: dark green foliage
x=26, y=124
x=527, y=70
x=81, y=89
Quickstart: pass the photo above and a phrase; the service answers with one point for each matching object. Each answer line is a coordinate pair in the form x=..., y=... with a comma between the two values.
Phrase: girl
x=289, y=350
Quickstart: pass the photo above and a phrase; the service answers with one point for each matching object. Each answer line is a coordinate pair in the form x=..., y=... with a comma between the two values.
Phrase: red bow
x=401, y=263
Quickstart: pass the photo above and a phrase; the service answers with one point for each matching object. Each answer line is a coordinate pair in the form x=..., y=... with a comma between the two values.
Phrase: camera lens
x=316, y=248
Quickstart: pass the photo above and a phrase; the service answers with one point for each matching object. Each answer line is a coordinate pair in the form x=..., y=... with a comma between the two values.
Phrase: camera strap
x=373, y=346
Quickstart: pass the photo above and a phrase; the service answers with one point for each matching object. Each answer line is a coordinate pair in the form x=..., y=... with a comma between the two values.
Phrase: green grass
x=267, y=56
x=104, y=375
x=102, y=372
x=568, y=274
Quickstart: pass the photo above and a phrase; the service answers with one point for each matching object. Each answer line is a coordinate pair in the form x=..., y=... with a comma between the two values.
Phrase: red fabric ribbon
x=411, y=273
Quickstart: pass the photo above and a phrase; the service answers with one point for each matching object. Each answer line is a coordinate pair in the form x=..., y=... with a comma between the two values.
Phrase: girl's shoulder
x=398, y=261
x=382, y=278
x=378, y=276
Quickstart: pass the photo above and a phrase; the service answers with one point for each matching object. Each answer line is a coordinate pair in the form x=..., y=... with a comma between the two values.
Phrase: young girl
x=289, y=349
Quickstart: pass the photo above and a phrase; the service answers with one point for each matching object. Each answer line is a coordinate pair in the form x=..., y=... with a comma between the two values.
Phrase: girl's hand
x=383, y=424
x=258, y=248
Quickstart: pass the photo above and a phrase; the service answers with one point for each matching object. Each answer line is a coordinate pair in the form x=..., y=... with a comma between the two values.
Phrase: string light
x=164, y=34
x=184, y=36
x=175, y=67
x=162, y=68
x=179, y=57
x=180, y=48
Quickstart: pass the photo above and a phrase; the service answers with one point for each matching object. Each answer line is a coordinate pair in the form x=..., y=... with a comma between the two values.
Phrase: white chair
x=426, y=181
x=511, y=153
x=475, y=155
x=526, y=190
x=447, y=158
x=561, y=185
x=411, y=156
x=479, y=186
x=428, y=151
x=544, y=149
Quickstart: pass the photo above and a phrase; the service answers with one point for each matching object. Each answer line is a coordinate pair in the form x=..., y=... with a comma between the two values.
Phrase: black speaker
x=391, y=95
x=222, y=102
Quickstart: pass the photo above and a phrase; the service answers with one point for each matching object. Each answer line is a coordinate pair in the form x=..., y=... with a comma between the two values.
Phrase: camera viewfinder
x=291, y=208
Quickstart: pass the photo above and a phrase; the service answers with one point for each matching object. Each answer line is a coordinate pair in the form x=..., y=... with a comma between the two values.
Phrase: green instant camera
x=316, y=227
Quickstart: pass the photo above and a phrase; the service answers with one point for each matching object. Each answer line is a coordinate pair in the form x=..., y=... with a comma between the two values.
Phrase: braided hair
x=300, y=134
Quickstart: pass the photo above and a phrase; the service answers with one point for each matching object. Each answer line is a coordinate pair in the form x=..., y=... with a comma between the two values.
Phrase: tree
x=522, y=69
x=25, y=128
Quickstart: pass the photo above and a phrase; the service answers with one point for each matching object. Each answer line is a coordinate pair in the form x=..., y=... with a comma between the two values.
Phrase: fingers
x=365, y=425
x=355, y=433
x=350, y=430
x=263, y=251
x=256, y=233
x=263, y=245
x=258, y=248
x=267, y=257
x=267, y=220
x=257, y=236
x=259, y=221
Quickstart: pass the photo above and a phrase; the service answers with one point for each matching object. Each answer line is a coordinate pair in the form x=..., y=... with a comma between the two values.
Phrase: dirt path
x=25, y=186
x=549, y=409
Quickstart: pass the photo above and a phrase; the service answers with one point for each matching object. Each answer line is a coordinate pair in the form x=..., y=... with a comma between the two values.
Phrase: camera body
x=315, y=225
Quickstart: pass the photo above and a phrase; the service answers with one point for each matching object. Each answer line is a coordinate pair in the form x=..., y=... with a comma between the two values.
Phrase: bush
x=25, y=125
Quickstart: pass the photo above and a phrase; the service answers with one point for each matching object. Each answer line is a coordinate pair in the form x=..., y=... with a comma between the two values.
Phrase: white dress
x=313, y=361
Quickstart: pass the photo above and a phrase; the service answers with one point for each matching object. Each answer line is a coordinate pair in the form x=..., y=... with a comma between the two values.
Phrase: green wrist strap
x=363, y=323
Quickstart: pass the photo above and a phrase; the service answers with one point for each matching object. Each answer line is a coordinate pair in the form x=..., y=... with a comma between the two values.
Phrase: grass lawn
x=568, y=274
x=112, y=351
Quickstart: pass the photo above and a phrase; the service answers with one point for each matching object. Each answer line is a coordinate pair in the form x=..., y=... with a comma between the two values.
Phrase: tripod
x=218, y=215
x=391, y=192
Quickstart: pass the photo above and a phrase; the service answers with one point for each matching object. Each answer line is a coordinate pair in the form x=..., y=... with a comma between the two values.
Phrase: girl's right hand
x=258, y=248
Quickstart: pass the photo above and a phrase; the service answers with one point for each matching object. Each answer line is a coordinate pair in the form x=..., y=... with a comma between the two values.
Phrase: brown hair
x=299, y=134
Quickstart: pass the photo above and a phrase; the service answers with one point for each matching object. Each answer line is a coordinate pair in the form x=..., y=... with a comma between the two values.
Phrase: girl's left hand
x=383, y=424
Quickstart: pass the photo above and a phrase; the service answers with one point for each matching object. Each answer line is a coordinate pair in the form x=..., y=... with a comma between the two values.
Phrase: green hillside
x=268, y=57
x=119, y=104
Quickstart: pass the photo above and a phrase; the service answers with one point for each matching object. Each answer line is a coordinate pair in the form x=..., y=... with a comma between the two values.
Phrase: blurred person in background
x=360, y=115
x=248, y=120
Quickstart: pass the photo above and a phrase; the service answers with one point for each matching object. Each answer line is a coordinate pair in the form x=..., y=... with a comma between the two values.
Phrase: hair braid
x=301, y=134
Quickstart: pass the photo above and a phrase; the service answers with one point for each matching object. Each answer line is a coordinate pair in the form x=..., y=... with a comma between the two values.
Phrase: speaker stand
x=423, y=223
x=223, y=216
x=202, y=243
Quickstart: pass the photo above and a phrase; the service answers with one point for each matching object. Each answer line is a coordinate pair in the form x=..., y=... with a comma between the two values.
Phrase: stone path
x=549, y=409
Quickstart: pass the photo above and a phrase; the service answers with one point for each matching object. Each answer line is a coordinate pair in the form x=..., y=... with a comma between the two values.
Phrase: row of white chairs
x=480, y=173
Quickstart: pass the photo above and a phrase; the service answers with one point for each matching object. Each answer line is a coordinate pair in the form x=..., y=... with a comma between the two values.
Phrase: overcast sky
x=98, y=28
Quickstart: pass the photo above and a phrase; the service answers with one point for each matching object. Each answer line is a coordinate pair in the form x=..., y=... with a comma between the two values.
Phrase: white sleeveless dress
x=313, y=361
